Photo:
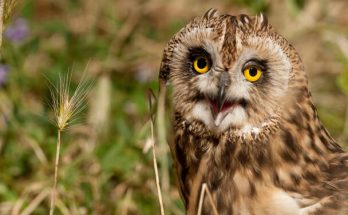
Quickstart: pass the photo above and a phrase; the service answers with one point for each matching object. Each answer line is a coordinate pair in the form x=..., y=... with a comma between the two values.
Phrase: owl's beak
x=223, y=82
x=220, y=104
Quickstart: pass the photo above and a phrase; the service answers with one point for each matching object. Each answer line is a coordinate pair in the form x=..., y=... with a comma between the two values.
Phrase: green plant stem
x=162, y=142
x=156, y=171
x=54, y=186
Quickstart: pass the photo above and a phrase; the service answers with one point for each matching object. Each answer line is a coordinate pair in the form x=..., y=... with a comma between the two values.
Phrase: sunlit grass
x=152, y=143
x=66, y=108
x=6, y=10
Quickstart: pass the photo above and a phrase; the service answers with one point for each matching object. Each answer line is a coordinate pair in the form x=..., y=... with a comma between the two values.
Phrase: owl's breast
x=254, y=176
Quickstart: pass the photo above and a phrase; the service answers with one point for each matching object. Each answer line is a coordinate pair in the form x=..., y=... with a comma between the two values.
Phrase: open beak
x=220, y=104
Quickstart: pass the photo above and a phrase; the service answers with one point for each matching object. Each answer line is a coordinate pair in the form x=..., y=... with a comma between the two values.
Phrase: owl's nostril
x=224, y=79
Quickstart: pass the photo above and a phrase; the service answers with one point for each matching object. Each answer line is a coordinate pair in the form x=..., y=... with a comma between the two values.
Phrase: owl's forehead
x=225, y=35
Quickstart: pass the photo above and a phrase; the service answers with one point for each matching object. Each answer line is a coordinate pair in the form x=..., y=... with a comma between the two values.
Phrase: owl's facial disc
x=231, y=74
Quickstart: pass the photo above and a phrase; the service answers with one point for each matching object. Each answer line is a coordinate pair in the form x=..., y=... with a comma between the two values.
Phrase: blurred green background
x=106, y=166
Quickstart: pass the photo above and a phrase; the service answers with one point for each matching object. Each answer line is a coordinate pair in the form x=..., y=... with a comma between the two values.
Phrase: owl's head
x=231, y=72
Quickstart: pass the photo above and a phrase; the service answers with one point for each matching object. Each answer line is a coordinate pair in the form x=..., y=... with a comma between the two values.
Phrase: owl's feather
x=269, y=154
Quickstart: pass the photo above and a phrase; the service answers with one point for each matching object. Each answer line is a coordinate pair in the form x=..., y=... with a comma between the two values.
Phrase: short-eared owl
x=245, y=125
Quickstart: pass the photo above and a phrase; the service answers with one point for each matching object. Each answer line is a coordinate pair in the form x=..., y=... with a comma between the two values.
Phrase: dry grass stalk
x=36, y=202
x=17, y=206
x=210, y=199
x=154, y=156
x=199, y=185
x=63, y=208
x=6, y=9
x=162, y=137
x=2, y=4
x=36, y=148
x=196, y=186
x=65, y=108
x=54, y=186
x=127, y=202
x=201, y=198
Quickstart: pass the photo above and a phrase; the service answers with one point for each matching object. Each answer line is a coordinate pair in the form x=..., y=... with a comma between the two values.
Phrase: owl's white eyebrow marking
x=206, y=84
x=272, y=48
x=238, y=90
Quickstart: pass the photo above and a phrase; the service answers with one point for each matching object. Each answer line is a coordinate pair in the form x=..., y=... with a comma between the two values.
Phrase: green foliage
x=296, y=6
x=9, y=6
x=343, y=80
x=256, y=6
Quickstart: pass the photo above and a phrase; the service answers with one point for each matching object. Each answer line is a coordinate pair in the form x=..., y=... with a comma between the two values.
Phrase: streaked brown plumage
x=259, y=145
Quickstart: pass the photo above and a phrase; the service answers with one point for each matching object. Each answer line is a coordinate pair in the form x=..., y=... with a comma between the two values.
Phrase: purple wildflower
x=17, y=31
x=4, y=69
x=143, y=73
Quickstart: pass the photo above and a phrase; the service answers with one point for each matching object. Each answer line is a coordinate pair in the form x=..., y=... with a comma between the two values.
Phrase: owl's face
x=230, y=72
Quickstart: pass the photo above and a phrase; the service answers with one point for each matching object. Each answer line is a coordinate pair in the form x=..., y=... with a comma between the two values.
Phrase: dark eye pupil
x=201, y=63
x=253, y=71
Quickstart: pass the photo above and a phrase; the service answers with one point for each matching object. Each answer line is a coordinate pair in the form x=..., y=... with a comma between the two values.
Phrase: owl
x=244, y=123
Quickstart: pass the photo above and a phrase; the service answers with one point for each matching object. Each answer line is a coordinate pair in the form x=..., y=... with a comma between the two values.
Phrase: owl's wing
x=334, y=189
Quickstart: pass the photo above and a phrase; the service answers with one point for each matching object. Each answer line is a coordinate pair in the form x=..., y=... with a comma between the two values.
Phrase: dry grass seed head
x=65, y=106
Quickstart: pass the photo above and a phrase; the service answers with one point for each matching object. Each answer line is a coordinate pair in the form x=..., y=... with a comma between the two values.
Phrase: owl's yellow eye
x=201, y=64
x=252, y=73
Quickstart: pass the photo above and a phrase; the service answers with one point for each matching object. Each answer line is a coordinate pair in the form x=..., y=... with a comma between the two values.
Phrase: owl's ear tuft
x=212, y=12
x=262, y=21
